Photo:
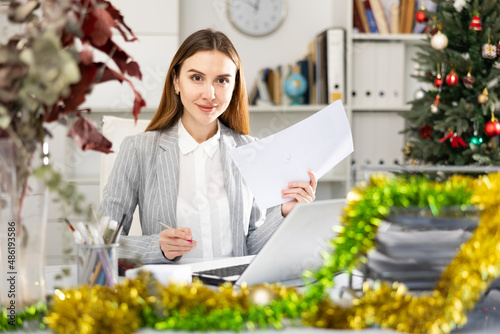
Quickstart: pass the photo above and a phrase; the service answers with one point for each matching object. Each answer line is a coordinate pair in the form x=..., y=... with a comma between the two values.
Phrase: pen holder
x=97, y=264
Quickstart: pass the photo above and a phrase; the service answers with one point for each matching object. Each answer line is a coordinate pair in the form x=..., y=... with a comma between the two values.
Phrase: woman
x=180, y=173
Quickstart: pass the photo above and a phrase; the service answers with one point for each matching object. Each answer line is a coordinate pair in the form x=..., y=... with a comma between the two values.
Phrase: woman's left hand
x=301, y=191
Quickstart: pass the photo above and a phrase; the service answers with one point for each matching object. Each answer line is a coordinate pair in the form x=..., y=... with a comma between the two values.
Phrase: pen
x=168, y=227
x=165, y=225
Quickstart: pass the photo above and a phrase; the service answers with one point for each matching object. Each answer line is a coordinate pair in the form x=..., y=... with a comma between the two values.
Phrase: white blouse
x=202, y=203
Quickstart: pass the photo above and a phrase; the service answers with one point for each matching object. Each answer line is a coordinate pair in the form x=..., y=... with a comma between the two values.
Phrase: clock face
x=256, y=17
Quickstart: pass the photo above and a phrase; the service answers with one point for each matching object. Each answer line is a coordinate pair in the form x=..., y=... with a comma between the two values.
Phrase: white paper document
x=317, y=143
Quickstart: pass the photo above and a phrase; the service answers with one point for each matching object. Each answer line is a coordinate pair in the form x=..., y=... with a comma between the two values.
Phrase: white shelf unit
x=378, y=58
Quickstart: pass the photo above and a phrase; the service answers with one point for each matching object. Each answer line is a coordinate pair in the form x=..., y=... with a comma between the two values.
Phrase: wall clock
x=256, y=17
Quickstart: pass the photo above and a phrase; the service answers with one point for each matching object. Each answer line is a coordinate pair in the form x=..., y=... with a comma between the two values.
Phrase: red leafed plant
x=47, y=71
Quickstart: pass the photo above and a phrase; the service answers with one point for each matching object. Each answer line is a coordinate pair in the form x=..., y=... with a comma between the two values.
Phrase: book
x=303, y=65
x=409, y=16
x=274, y=86
x=402, y=16
x=392, y=13
x=312, y=72
x=379, y=15
x=360, y=7
x=369, y=16
x=394, y=19
x=356, y=19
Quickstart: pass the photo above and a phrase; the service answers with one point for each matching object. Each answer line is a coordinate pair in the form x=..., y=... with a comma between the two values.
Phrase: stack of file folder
x=418, y=246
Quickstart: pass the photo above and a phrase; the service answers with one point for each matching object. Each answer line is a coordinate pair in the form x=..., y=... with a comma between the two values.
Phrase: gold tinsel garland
x=463, y=282
x=145, y=303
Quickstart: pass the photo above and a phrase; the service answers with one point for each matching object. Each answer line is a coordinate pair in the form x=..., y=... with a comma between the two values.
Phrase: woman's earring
x=176, y=92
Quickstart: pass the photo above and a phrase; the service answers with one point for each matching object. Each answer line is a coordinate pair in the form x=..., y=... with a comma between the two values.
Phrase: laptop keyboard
x=225, y=271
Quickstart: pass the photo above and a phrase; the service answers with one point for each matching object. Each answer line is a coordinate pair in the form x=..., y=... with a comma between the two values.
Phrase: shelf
x=389, y=37
x=294, y=108
x=393, y=108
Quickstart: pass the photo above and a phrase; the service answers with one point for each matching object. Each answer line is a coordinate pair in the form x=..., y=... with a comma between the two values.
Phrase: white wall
x=304, y=20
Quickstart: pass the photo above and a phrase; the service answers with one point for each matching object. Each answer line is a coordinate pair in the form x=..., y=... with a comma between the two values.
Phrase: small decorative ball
x=439, y=41
x=489, y=51
x=452, y=78
x=438, y=82
x=434, y=108
x=295, y=86
x=483, y=97
x=419, y=94
x=492, y=128
x=476, y=140
x=469, y=80
x=261, y=295
x=433, y=31
x=420, y=16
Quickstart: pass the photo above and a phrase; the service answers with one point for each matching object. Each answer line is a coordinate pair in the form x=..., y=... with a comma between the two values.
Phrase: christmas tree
x=453, y=122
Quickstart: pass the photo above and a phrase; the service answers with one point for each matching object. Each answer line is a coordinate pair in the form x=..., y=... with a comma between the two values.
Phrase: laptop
x=294, y=247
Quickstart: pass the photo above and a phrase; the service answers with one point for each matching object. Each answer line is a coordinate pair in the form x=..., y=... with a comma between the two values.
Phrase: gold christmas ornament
x=483, y=97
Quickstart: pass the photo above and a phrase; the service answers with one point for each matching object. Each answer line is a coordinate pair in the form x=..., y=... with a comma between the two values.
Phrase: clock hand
x=257, y=5
x=251, y=4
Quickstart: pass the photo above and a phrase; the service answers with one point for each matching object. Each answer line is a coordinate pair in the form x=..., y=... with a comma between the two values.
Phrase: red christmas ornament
x=438, y=82
x=476, y=23
x=492, y=128
x=425, y=131
x=452, y=78
x=420, y=16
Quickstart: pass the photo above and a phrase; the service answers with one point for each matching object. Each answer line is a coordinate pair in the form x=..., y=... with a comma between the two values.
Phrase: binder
x=319, y=68
x=335, y=65
x=356, y=19
x=363, y=74
x=377, y=79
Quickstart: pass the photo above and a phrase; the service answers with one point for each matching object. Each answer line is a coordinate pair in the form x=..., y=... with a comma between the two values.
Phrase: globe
x=295, y=87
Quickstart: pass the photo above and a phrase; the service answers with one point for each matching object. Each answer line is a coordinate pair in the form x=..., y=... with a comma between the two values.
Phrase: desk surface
x=484, y=319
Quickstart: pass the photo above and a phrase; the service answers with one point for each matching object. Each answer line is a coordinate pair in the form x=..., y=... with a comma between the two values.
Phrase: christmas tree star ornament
x=475, y=23
x=439, y=41
x=483, y=97
x=452, y=78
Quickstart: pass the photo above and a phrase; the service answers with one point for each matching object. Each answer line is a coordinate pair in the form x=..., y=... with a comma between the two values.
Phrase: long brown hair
x=170, y=108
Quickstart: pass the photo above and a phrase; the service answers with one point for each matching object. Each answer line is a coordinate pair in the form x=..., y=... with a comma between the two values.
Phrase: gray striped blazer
x=146, y=173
